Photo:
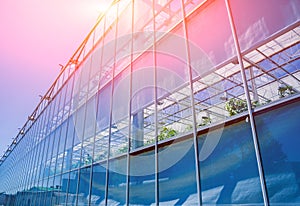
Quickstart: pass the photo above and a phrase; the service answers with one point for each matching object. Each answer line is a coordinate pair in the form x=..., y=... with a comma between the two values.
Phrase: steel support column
x=247, y=95
x=195, y=139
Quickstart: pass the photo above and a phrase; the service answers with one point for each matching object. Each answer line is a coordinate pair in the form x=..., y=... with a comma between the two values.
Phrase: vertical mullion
x=84, y=122
x=43, y=148
x=36, y=155
x=73, y=135
x=195, y=139
x=111, y=106
x=26, y=160
x=46, y=137
x=130, y=105
x=246, y=90
x=60, y=134
x=97, y=110
x=53, y=141
x=39, y=147
x=109, y=129
x=67, y=126
x=33, y=157
x=92, y=155
x=155, y=106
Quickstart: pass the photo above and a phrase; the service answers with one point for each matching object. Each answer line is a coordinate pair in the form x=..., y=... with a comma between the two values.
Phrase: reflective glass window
x=228, y=167
x=142, y=178
x=103, y=119
x=255, y=20
x=117, y=181
x=120, y=114
x=84, y=186
x=72, y=188
x=142, y=102
x=98, y=184
x=177, y=175
x=278, y=133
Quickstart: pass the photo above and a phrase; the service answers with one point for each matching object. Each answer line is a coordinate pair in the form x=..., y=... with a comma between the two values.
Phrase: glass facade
x=169, y=102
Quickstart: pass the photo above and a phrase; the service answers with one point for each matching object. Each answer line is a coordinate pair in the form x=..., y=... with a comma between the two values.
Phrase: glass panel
x=272, y=70
x=64, y=188
x=142, y=99
x=61, y=147
x=278, y=132
x=36, y=153
x=143, y=26
x=42, y=168
x=78, y=118
x=69, y=144
x=56, y=140
x=142, y=179
x=228, y=167
x=173, y=92
x=72, y=187
x=98, y=184
x=56, y=197
x=28, y=158
x=95, y=70
x=190, y=5
x=254, y=24
x=117, y=181
x=103, y=118
x=124, y=38
x=143, y=16
x=177, y=176
x=46, y=197
x=167, y=14
x=99, y=32
x=212, y=89
x=84, y=186
x=120, y=113
x=88, y=131
x=69, y=85
x=110, y=23
x=107, y=57
x=50, y=197
x=61, y=107
x=142, y=102
x=51, y=147
x=209, y=36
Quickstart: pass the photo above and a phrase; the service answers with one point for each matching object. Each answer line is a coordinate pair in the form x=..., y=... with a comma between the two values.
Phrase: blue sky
x=36, y=36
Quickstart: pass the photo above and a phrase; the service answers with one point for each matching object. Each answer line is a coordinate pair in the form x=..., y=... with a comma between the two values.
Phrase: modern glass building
x=169, y=102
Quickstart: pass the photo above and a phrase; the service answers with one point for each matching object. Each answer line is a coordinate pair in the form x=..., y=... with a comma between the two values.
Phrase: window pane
x=173, y=91
x=278, y=132
x=84, y=186
x=142, y=102
x=254, y=24
x=120, y=114
x=210, y=36
x=117, y=182
x=98, y=184
x=103, y=118
x=177, y=176
x=228, y=166
x=142, y=179
x=72, y=187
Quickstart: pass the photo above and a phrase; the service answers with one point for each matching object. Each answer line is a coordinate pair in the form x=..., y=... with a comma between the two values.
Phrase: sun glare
x=96, y=7
x=103, y=6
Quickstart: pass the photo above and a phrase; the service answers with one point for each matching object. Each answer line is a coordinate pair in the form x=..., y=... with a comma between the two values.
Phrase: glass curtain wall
x=156, y=111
